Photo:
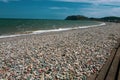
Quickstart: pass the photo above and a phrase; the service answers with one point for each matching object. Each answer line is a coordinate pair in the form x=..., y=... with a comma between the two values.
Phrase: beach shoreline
x=49, y=30
x=71, y=54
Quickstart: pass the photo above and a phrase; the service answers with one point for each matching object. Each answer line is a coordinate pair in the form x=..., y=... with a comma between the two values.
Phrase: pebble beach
x=66, y=55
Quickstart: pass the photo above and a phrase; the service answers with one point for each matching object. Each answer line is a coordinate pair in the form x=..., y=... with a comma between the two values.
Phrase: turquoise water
x=14, y=26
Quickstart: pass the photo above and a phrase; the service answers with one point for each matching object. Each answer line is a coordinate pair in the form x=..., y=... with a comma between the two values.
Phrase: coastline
x=71, y=54
x=51, y=30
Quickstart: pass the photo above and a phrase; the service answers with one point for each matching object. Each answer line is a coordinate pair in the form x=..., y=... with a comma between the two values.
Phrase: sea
x=19, y=27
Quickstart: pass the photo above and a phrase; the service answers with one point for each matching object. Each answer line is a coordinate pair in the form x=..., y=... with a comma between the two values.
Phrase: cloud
x=89, y=0
x=5, y=1
x=99, y=11
x=58, y=8
x=92, y=1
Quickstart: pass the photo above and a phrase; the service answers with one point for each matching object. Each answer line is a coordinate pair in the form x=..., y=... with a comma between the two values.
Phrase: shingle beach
x=65, y=55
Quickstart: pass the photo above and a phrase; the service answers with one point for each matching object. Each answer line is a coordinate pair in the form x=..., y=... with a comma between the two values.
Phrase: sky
x=58, y=9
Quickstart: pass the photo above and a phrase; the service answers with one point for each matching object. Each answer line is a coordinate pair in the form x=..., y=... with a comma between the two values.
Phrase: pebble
x=70, y=55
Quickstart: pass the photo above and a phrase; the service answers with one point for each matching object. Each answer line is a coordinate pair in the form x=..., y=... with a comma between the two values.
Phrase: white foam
x=6, y=36
x=52, y=30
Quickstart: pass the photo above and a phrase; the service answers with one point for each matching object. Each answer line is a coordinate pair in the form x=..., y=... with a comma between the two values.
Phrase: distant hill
x=106, y=19
x=111, y=19
x=76, y=17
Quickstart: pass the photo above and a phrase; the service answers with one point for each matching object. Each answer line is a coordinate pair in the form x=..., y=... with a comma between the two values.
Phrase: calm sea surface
x=14, y=26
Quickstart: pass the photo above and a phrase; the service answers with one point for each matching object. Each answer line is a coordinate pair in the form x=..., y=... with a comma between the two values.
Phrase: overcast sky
x=58, y=9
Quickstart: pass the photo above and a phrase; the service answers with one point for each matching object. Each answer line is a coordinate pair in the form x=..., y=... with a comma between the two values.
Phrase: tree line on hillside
x=105, y=19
